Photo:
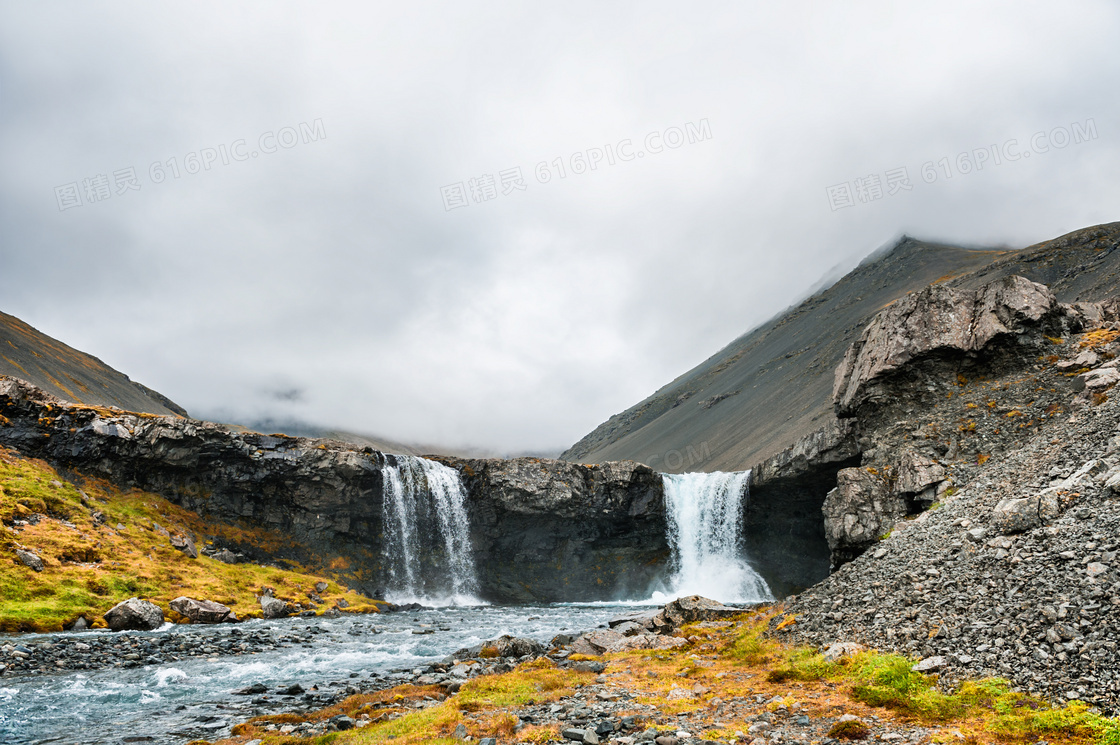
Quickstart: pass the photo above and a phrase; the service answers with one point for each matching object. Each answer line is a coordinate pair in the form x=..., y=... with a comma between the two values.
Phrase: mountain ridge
x=747, y=402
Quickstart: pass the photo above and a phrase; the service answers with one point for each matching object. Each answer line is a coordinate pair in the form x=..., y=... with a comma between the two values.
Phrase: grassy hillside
x=100, y=545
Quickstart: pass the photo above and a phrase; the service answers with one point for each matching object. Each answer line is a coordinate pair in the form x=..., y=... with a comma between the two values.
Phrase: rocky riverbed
x=184, y=682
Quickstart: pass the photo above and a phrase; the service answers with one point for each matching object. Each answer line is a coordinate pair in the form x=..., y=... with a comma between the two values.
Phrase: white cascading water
x=704, y=516
x=420, y=498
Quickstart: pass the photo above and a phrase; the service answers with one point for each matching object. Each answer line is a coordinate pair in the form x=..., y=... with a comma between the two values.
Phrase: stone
x=321, y=587
x=134, y=614
x=460, y=731
x=184, y=544
x=843, y=649
x=274, y=607
x=201, y=611
x=344, y=722
x=513, y=646
x=1020, y=514
x=30, y=560
x=225, y=556
x=917, y=474
x=691, y=609
x=1095, y=569
x=1096, y=380
x=929, y=664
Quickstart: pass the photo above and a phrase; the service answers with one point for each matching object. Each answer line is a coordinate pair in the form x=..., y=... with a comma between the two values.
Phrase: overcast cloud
x=328, y=282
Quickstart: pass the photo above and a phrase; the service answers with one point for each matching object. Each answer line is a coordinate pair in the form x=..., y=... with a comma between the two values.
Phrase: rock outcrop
x=859, y=511
x=944, y=321
x=782, y=521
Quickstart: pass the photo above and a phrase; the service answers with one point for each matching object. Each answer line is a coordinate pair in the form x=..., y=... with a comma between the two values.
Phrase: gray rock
x=929, y=664
x=30, y=560
x=321, y=587
x=1021, y=514
x=134, y=614
x=201, y=611
x=939, y=319
x=274, y=607
x=185, y=544
x=861, y=509
x=225, y=556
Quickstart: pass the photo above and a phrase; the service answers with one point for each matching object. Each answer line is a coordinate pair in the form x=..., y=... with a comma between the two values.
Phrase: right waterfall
x=704, y=516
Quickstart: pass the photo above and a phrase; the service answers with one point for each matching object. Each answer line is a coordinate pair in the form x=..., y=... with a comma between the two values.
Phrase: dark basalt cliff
x=549, y=529
x=542, y=530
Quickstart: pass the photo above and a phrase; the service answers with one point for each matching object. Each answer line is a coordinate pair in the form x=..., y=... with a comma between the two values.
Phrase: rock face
x=550, y=529
x=134, y=615
x=862, y=508
x=542, y=530
x=941, y=321
x=782, y=520
x=202, y=611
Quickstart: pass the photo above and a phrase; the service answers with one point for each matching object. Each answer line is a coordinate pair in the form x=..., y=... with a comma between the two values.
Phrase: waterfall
x=427, y=544
x=704, y=516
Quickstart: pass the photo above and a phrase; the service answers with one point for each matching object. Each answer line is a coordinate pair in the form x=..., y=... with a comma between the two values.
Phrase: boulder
x=644, y=641
x=691, y=609
x=321, y=587
x=274, y=607
x=929, y=664
x=514, y=646
x=1018, y=515
x=185, y=544
x=202, y=611
x=1096, y=380
x=134, y=614
x=225, y=556
x=859, y=511
x=30, y=560
x=843, y=649
x=597, y=642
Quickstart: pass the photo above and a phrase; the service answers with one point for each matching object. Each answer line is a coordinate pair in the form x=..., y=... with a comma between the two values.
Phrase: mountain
x=773, y=385
x=63, y=371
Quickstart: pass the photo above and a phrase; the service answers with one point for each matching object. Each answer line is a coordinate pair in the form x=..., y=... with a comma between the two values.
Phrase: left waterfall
x=427, y=543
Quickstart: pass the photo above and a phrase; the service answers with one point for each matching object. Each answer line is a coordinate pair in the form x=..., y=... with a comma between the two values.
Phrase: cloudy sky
x=323, y=220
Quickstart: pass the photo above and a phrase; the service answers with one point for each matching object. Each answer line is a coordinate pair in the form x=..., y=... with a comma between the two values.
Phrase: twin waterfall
x=427, y=546
x=704, y=516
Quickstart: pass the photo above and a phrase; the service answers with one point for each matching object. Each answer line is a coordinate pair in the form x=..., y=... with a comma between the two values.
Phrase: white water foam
x=704, y=516
x=424, y=508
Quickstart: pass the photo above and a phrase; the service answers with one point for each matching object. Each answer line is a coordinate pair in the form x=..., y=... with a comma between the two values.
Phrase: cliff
x=542, y=530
